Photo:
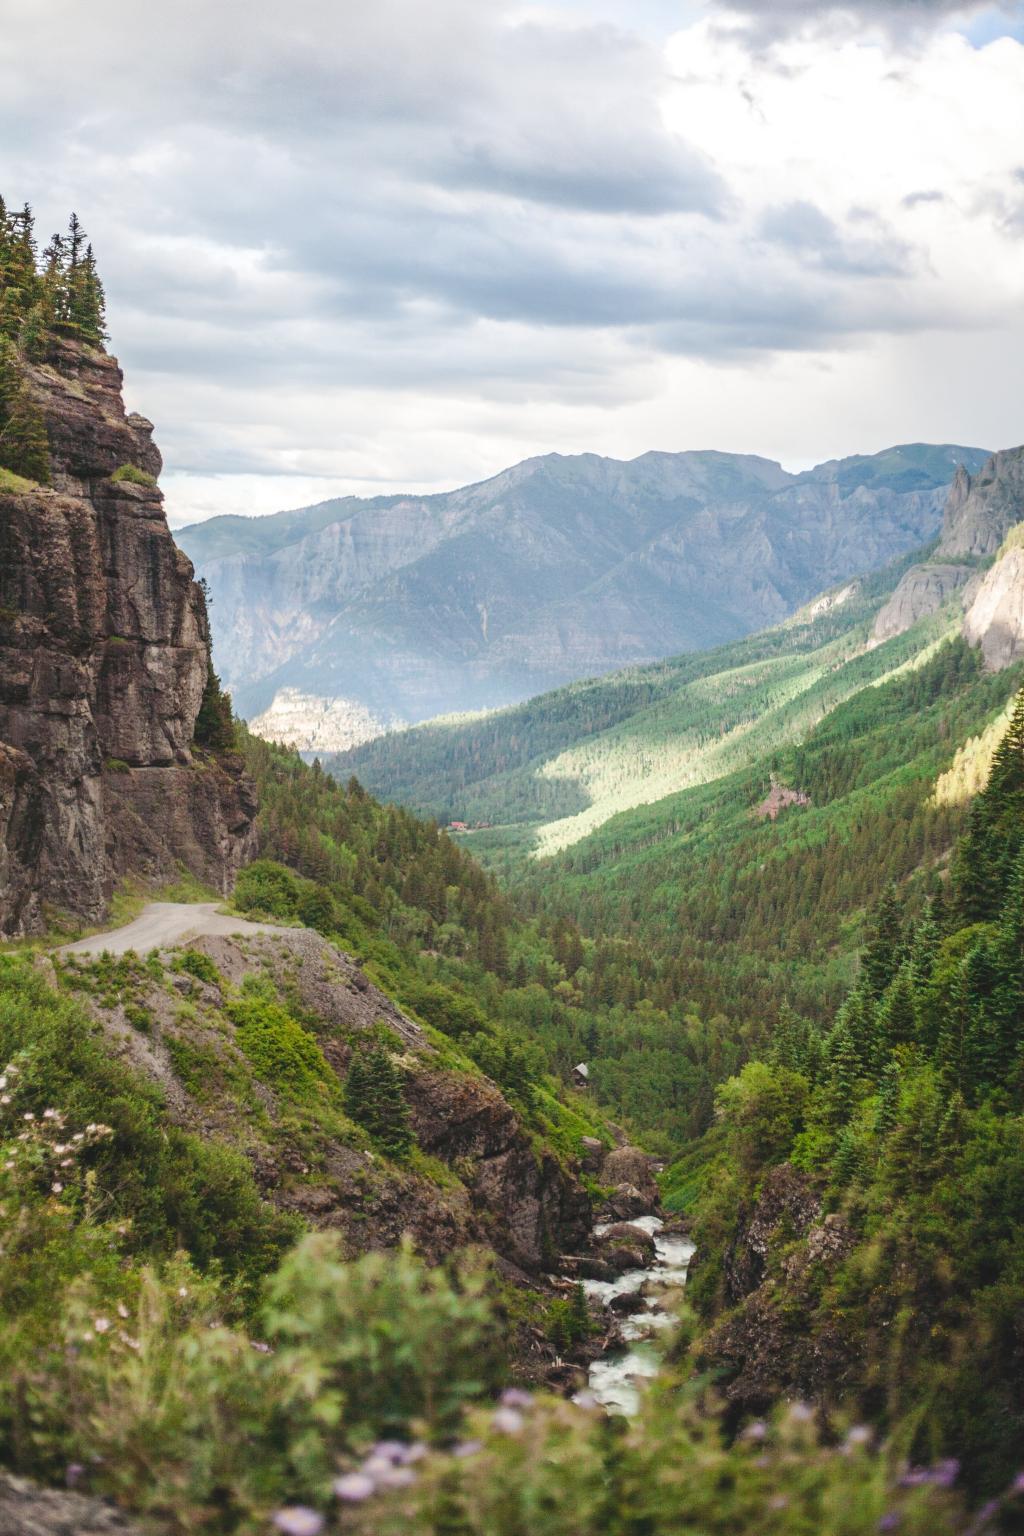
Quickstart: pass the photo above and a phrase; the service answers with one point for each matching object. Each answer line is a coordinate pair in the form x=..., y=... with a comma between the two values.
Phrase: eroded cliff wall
x=104, y=646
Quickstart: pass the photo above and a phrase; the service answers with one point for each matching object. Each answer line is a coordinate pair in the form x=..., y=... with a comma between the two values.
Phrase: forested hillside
x=860, y=1196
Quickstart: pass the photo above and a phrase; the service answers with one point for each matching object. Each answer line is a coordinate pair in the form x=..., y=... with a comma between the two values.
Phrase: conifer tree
x=579, y=1314
x=897, y=1016
x=883, y=951
x=844, y=1070
x=357, y=1096
x=24, y=446
x=374, y=1098
x=888, y=1098
x=23, y=443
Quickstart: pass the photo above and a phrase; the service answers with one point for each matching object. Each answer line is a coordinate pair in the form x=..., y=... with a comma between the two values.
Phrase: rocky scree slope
x=559, y=568
x=104, y=658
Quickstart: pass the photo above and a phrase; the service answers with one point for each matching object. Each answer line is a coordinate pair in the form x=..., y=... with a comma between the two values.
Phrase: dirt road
x=163, y=924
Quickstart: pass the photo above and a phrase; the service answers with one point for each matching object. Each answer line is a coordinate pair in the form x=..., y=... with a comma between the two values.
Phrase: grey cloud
x=931, y=195
x=806, y=230
x=330, y=195
x=770, y=19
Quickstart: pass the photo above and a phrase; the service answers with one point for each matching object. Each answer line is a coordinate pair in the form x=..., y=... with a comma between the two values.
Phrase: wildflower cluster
x=37, y=1147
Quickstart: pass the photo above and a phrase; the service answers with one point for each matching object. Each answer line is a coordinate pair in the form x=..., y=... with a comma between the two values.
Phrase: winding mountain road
x=163, y=924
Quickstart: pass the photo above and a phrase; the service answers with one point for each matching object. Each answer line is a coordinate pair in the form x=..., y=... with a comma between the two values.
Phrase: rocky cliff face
x=982, y=508
x=995, y=618
x=979, y=512
x=103, y=662
x=923, y=590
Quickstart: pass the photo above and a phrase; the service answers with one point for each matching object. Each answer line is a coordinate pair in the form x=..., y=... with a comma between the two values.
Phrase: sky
x=354, y=249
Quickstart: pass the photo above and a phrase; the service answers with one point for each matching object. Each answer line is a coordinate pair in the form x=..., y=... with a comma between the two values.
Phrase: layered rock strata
x=104, y=647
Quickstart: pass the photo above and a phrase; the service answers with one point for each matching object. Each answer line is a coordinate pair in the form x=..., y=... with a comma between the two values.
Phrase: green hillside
x=685, y=925
x=556, y=768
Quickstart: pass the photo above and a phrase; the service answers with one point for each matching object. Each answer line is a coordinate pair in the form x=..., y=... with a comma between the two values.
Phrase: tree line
x=56, y=294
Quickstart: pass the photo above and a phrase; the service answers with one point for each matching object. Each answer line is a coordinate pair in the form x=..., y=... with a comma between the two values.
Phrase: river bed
x=616, y=1378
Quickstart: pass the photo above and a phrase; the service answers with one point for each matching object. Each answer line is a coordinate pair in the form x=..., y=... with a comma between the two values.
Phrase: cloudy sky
x=358, y=247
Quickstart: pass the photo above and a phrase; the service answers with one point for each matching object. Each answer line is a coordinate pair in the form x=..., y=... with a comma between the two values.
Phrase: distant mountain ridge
x=559, y=567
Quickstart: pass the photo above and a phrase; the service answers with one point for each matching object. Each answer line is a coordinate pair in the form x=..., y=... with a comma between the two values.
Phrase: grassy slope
x=559, y=765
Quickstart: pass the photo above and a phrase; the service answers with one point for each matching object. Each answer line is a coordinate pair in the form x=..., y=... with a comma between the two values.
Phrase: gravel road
x=163, y=924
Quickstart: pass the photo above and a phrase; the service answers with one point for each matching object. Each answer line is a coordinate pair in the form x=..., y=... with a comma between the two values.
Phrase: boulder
x=624, y=1234
x=26, y=1509
x=629, y=1303
x=629, y=1165
x=624, y=1204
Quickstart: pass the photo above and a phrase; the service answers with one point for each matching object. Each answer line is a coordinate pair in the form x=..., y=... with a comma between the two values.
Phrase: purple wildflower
x=398, y=1477
x=891, y=1522
x=944, y=1473
x=354, y=1487
x=395, y=1451
x=466, y=1447
x=515, y=1397
x=981, y=1520
x=756, y=1431
x=73, y=1474
x=299, y=1520
x=508, y=1421
x=377, y=1466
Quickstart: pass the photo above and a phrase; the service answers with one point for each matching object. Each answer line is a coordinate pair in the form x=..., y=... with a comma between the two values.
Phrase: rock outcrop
x=995, y=618
x=104, y=647
x=980, y=510
x=26, y=1509
x=923, y=590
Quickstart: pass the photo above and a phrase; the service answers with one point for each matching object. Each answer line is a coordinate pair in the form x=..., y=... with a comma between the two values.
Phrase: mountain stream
x=615, y=1379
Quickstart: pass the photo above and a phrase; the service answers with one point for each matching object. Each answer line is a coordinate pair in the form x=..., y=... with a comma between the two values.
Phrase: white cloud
x=359, y=248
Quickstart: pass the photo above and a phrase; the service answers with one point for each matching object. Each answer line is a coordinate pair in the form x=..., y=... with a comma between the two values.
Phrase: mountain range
x=546, y=774
x=338, y=620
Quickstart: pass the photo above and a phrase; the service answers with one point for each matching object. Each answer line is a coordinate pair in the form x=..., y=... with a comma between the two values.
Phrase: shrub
x=266, y=887
x=283, y=1054
x=196, y=964
x=131, y=474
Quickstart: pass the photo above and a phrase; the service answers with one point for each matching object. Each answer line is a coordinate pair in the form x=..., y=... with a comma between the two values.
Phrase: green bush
x=196, y=964
x=283, y=1054
x=131, y=474
x=268, y=888
x=169, y=1188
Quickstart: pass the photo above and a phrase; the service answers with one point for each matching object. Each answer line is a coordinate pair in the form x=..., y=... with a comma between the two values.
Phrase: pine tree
x=374, y=1098
x=897, y=1016
x=24, y=446
x=215, y=723
x=987, y=856
x=357, y=1095
x=888, y=1098
x=23, y=443
x=845, y=1071
x=883, y=951
x=580, y=1324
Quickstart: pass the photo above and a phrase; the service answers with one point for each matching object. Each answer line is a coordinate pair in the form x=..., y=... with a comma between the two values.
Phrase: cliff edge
x=104, y=659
